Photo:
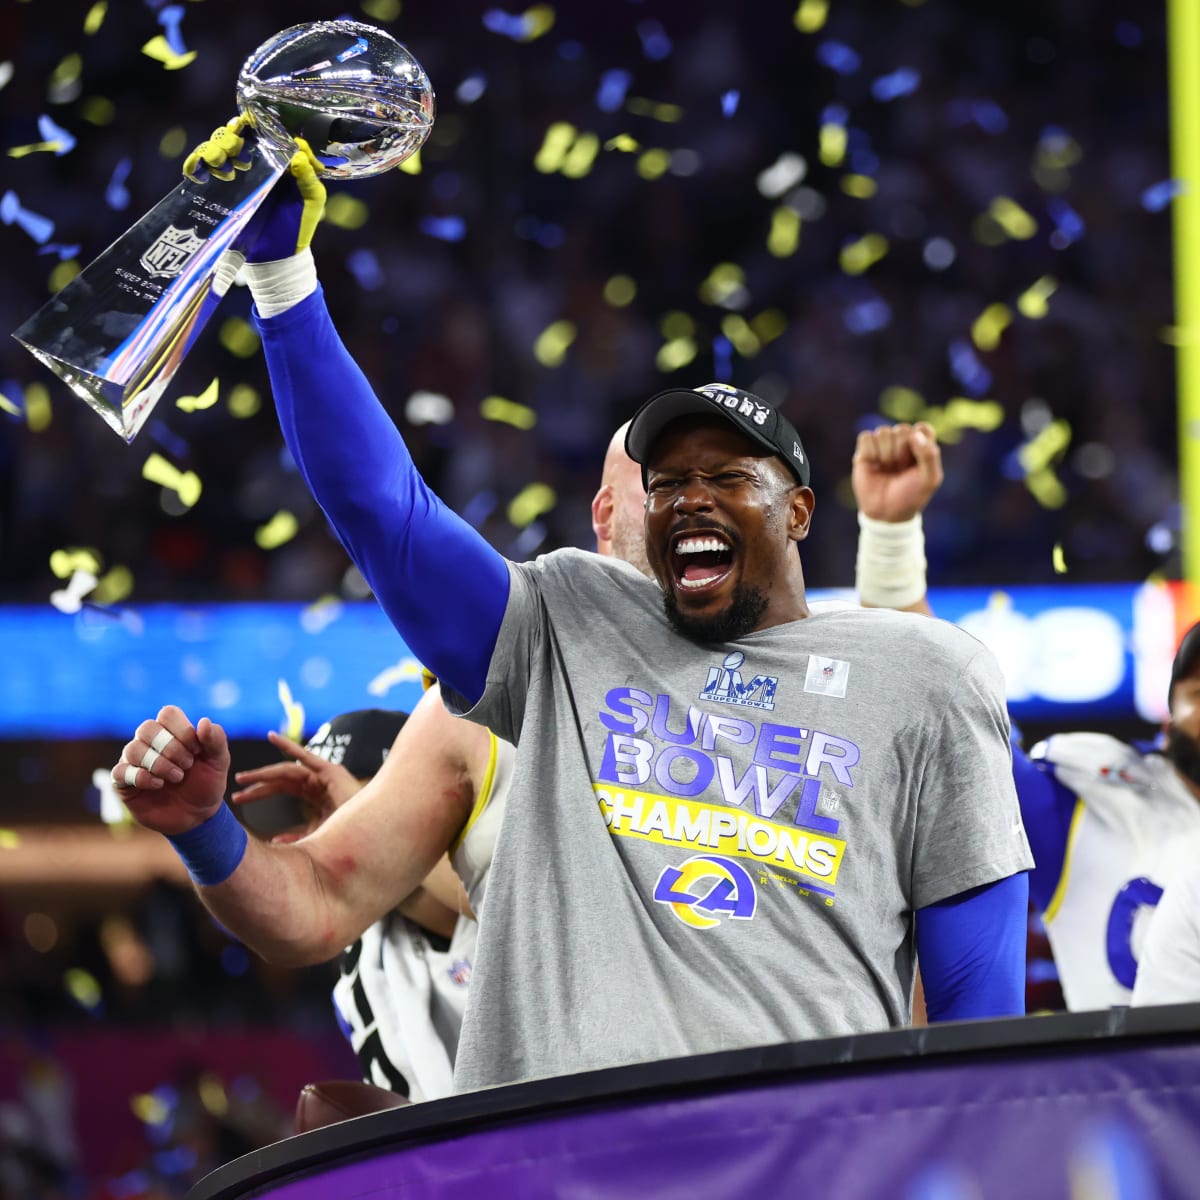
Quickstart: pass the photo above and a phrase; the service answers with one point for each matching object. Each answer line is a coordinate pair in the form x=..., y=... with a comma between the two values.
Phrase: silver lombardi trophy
x=117, y=333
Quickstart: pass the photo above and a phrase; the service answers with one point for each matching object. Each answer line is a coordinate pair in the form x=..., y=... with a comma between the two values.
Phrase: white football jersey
x=399, y=1000
x=1135, y=825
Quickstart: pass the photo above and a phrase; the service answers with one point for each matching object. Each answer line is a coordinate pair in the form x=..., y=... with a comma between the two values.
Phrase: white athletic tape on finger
x=131, y=776
x=162, y=739
x=150, y=758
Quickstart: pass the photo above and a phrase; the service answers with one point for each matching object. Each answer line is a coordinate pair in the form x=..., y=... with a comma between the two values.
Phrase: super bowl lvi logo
x=168, y=254
x=706, y=888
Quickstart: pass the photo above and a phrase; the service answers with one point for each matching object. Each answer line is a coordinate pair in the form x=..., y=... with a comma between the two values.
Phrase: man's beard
x=742, y=616
x=1183, y=752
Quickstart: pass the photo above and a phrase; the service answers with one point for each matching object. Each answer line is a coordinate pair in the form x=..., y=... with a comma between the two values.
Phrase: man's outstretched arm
x=442, y=586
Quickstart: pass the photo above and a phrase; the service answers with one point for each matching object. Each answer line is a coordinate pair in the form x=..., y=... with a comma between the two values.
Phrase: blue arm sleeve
x=1047, y=807
x=442, y=586
x=971, y=950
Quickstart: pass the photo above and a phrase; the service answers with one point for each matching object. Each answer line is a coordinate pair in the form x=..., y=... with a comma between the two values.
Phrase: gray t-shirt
x=708, y=847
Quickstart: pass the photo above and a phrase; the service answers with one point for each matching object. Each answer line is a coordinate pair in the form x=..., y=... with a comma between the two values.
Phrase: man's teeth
x=700, y=546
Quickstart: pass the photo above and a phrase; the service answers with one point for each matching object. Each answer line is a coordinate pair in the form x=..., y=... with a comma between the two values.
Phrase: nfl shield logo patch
x=827, y=676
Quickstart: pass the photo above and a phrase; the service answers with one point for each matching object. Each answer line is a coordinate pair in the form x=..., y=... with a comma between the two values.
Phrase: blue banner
x=1070, y=653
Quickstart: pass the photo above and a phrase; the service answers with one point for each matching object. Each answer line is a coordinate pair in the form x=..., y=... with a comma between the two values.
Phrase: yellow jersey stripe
x=1061, y=890
x=482, y=796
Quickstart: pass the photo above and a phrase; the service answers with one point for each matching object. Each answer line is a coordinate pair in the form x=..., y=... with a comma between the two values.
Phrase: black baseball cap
x=1187, y=659
x=746, y=412
x=359, y=740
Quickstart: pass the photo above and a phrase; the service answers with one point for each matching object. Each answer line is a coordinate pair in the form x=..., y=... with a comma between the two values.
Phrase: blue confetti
x=1158, y=195
x=1068, y=224
x=1128, y=34
x=656, y=45
x=614, y=85
x=363, y=264
x=116, y=195
x=867, y=316
x=722, y=352
x=986, y=114
x=171, y=18
x=967, y=369
x=10, y=389
x=40, y=228
x=175, y=1161
x=56, y=133
x=63, y=251
x=546, y=234
x=235, y=960
x=445, y=229
x=901, y=82
x=839, y=57
x=570, y=51
x=471, y=88
x=834, y=114
x=729, y=102
x=479, y=508
x=168, y=439
x=510, y=25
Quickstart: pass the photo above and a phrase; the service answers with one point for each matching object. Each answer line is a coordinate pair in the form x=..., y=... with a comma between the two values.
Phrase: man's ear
x=602, y=513
x=801, y=503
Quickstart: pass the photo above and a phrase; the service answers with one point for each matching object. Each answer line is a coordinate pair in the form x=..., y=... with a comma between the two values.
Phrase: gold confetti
x=531, y=502
x=581, y=156
x=33, y=148
x=675, y=354
x=553, y=343
x=859, y=256
x=149, y=1109
x=67, y=72
x=210, y=1088
x=62, y=274
x=624, y=142
x=64, y=563
x=741, y=336
x=185, y=484
x=159, y=49
x=346, y=212
x=1033, y=302
x=239, y=337
x=1048, y=444
x=9, y=839
x=901, y=403
x=244, y=401
x=412, y=164
x=558, y=140
x=987, y=231
x=990, y=324
x=95, y=17
x=98, y=110
x=82, y=986
x=293, y=713
x=831, y=144
x=784, y=236
x=768, y=325
x=1046, y=487
x=724, y=281
x=620, y=291
x=668, y=114
x=281, y=528
x=38, y=413
x=382, y=10
x=676, y=324
x=1012, y=218
x=1059, y=559
x=538, y=20
x=174, y=142
x=861, y=187
x=206, y=399
x=653, y=164
x=983, y=415
x=116, y=586
x=6, y=405
x=810, y=15
x=508, y=412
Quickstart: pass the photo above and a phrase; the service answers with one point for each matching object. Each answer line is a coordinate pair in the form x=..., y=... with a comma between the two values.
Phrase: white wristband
x=890, y=569
x=277, y=286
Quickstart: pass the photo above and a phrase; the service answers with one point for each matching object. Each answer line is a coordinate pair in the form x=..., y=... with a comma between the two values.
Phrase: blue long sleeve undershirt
x=445, y=590
x=971, y=950
x=442, y=586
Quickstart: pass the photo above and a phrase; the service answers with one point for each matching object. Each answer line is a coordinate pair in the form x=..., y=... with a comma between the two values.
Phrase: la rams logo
x=705, y=888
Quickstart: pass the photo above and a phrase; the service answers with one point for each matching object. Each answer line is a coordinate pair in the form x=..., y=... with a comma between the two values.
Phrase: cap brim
x=661, y=409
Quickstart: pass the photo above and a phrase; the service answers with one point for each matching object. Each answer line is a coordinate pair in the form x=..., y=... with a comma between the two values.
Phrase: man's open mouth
x=701, y=561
